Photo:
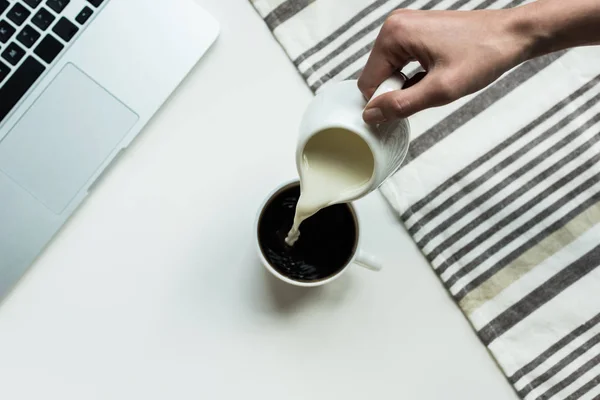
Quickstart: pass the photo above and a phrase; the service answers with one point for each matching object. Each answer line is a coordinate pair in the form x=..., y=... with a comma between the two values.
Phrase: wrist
x=525, y=29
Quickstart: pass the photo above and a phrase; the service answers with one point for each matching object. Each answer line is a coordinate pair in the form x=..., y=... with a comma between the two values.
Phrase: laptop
x=79, y=79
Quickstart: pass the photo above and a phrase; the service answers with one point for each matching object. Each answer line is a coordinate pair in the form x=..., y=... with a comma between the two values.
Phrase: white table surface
x=153, y=290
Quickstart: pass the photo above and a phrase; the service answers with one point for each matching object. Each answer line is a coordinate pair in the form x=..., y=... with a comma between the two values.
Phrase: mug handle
x=368, y=261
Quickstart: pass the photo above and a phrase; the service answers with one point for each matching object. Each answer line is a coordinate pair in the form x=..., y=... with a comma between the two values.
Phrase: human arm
x=465, y=51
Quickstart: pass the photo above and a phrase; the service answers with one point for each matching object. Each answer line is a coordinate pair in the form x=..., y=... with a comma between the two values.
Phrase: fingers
x=385, y=58
x=377, y=70
x=429, y=92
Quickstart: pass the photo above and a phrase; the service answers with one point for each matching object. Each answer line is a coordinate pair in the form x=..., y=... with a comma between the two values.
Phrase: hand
x=462, y=52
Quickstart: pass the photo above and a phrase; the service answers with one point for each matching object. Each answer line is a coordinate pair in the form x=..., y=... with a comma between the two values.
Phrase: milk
x=336, y=164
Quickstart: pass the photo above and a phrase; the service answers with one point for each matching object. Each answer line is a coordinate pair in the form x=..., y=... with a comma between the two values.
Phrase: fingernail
x=373, y=116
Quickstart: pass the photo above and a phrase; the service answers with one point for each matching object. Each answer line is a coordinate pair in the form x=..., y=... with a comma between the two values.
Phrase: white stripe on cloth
x=264, y=7
x=568, y=370
x=498, y=197
x=572, y=204
x=576, y=363
x=485, y=132
x=492, y=239
x=542, y=328
x=500, y=176
x=593, y=394
x=314, y=23
x=556, y=358
x=534, y=278
x=318, y=74
x=501, y=156
x=380, y=12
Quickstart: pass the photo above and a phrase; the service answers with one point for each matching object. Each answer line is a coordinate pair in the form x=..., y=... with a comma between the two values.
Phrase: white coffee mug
x=358, y=257
x=340, y=105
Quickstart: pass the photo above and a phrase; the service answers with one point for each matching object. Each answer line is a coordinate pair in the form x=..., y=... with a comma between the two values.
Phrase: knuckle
x=393, y=24
x=446, y=90
x=396, y=28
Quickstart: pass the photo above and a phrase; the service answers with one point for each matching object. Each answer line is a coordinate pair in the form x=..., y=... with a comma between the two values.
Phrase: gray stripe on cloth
x=523, y=228
x=285, y=11
x=340, y=31
x=331, y=74
x=515, y=3
x=484, y=5
x=496, y=150
x=527, y=245
x=523, y=208
x=430, y=5
x=461, y=3
x=356, y=37
x=498, y=168
x=540, y=296
x=478, y=104
x=570, y=379
x=585, y=389
x=562, y=343
x=488, y=3
x=559, y=366
x=355, y=75
x=515, y=234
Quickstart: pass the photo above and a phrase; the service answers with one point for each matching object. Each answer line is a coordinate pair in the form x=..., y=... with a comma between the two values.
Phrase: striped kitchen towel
x=500, y=190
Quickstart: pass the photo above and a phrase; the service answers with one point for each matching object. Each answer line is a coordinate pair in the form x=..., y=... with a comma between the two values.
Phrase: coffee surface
x=325, y=247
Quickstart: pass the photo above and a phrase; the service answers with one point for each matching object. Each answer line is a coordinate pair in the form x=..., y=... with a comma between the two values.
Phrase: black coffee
x=327, y=239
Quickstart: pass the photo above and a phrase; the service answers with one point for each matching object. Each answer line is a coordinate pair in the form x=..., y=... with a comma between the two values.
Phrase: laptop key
x=6, y=31
x=43, y=19
x=18, y=84
x=4, y=71
x=18, y=14
x=13, y=53
x=96, y=3
x=28, y=36
x=3, y=5
x=65, y=29
x=32, y=3
x=48, y=49
x=84, y=15
x=57, y=5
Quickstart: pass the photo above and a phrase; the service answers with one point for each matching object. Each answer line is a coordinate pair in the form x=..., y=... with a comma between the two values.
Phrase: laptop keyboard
x=33, y=33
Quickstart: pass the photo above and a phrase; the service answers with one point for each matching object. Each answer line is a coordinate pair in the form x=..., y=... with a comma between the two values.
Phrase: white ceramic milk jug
x=340, y=105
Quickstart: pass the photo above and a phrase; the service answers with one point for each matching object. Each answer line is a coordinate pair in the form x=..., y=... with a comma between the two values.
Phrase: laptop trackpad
x=64, y=138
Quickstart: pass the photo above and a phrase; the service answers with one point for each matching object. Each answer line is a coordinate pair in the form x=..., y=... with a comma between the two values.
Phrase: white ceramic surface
x=340, y=105
x=359, y=256
x=153, y=290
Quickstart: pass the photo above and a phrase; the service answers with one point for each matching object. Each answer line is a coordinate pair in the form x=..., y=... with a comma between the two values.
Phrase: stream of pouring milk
x=335, y=164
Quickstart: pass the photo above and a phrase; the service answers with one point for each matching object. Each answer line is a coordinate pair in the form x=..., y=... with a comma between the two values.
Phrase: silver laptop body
x=79, y=80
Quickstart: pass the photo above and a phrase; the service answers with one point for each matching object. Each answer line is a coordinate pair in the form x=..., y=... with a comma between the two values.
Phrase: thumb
x=429, y=92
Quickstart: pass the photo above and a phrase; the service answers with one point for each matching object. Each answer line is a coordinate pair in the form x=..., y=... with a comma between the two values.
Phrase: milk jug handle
x=399, y=81
x=391, y=84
